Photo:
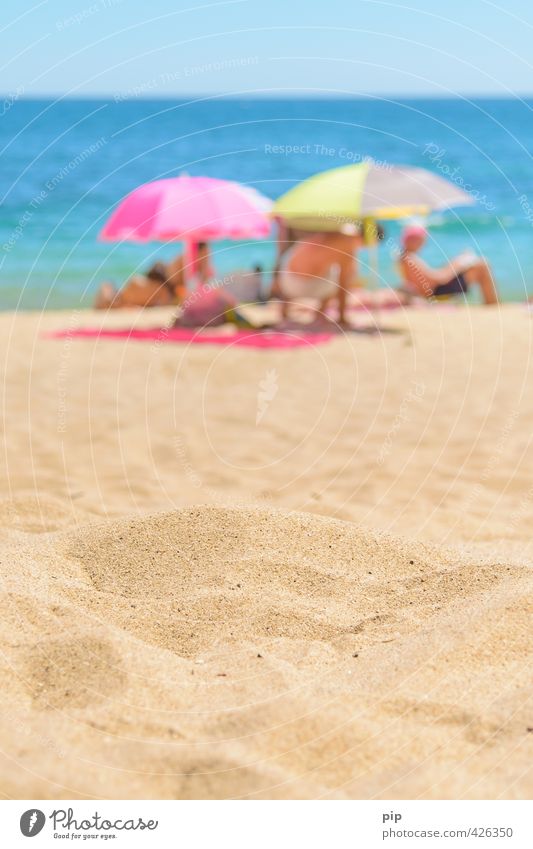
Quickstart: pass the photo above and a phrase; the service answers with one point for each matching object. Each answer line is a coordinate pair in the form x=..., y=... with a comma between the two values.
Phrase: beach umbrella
x=366, y=190
x=189, y=209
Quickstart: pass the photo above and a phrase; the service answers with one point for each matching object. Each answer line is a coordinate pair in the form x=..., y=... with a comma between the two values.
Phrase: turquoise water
x=65, y=164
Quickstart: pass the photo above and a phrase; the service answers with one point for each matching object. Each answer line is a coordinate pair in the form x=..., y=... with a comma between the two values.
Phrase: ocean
x=66, y=163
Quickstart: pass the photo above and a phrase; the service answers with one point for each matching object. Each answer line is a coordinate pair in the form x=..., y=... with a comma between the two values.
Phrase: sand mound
x=215, y=652
x=203, y=576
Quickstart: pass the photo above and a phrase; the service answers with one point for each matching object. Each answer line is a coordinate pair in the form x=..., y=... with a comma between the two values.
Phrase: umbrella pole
x=191, y=259
x=374, y=265
x=371, y=234
x=374, y=278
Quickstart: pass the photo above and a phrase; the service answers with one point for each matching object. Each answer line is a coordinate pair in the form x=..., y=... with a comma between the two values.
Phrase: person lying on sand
x=211, y=305
x=453, y=279
x=153, y=289
x=163, y=285
x=321, y=267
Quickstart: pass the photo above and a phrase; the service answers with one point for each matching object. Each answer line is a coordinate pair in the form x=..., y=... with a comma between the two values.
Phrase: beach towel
x=184, y=335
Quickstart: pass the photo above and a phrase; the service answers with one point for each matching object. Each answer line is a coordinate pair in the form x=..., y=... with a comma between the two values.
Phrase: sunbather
x=185, y=277
x=453, y=279
x=164, y=284
x=211, y=306
x=152, y=289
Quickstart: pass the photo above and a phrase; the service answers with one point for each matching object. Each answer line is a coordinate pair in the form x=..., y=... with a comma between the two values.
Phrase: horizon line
x=126, y=96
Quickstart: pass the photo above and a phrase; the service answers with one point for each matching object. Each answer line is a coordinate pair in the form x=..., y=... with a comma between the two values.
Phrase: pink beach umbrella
x=189, y=209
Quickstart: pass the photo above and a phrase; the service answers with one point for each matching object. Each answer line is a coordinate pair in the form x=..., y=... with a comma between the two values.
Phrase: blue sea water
x=64, y=165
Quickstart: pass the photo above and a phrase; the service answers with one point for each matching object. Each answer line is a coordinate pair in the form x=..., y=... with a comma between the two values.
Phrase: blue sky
x=358, y=47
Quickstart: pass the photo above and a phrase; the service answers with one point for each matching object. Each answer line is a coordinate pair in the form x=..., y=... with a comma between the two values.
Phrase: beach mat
x=183, y=335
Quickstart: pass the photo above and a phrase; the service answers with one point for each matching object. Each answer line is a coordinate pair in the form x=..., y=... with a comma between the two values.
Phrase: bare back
x=322, y=256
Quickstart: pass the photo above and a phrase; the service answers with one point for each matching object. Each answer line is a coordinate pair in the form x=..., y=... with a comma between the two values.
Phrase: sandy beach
x=236, y=573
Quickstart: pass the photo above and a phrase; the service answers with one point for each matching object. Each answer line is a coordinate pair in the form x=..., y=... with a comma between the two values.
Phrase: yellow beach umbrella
x=352, y=193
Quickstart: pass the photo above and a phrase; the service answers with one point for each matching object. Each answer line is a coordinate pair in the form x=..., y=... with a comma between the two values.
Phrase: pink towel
x=248, y=338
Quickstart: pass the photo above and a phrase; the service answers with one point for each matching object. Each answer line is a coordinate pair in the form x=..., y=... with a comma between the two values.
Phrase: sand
x=230, y=573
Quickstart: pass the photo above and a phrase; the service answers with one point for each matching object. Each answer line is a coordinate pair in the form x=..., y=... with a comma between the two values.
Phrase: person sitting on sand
x=321, y=267
x=179, y=274
x=453, y=279
x=153, y=289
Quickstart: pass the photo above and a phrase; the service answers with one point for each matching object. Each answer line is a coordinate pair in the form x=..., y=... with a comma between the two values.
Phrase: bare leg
x=481, y=274
x=324, y=305
x=284, y=308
